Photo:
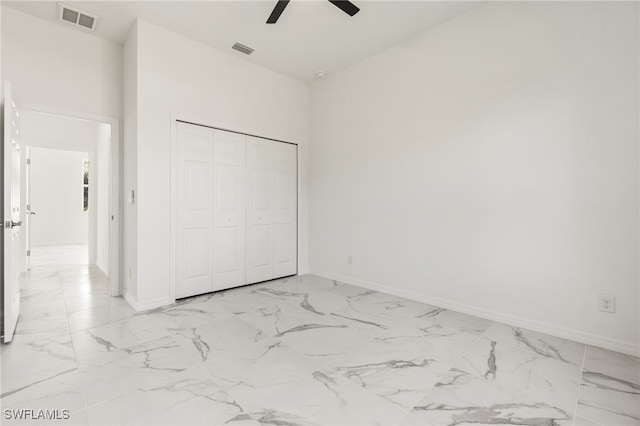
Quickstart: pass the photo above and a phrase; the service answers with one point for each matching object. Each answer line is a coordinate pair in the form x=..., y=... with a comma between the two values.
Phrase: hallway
x=63, y=294
x=60, y=295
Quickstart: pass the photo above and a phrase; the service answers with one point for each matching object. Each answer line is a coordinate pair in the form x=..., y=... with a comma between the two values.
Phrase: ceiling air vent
x=242, y=48
x=77, y=17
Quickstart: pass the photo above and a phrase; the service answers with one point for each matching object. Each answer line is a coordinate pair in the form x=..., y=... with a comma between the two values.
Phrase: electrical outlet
x=349, y=260
x=607, y=303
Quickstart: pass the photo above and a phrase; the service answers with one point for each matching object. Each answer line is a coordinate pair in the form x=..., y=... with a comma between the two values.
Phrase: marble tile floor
x=297, y=351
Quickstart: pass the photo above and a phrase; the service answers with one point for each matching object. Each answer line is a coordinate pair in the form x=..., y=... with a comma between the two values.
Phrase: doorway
x=49, y=128
x=70, y=190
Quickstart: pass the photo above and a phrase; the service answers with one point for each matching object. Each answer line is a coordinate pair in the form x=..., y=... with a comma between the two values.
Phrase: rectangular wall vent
x=77, y=17
x=242, y=48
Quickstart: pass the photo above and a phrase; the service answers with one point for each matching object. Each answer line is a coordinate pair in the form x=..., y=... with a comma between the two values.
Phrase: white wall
x=57, y=66
x=60, y=218
x=58, y=132
x=179, y=77
x=490, y=165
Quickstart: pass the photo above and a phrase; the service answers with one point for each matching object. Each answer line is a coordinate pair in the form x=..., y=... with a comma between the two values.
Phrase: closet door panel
x=229, y=210
x=271, y=209
x=194, y=153
x=259, y=210
x=285, y=210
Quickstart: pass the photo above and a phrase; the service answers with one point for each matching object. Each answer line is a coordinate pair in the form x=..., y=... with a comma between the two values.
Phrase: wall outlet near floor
x=607, y=303
x=349, y=260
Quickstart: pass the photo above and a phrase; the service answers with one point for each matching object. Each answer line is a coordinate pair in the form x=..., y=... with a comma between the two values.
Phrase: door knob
x=14, y=224
x=31, y=212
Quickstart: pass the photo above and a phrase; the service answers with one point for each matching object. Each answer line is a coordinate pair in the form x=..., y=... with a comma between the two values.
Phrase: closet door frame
x=173, y=191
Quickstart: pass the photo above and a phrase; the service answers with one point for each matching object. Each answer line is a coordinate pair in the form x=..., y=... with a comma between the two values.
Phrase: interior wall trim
x=149, y=304
x=234, y=131
x=605, y=342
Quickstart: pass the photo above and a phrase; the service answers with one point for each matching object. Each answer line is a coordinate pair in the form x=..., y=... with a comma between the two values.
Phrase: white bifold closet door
x=194, y=210
x=271, y=209
x=229, y=209
x=236, y=209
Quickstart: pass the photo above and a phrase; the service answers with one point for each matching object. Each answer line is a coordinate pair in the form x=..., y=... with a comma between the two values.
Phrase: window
x=85, y=185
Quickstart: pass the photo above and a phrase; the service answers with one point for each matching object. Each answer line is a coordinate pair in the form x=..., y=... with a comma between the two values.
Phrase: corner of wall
x=147, y=305
x=129, y=166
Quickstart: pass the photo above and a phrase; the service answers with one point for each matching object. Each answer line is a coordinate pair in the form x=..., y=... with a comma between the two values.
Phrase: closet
x=235, y=209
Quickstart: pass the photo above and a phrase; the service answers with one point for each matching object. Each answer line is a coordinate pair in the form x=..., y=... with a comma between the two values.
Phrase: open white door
x=11, y=216
x=27, y=223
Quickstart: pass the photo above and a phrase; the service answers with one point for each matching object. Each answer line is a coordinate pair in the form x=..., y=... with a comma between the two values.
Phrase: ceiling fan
x=344, y=5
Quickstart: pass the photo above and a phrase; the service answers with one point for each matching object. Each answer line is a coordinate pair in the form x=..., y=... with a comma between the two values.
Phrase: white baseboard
x=303, y=271
x=541, y=327
x=147, y=305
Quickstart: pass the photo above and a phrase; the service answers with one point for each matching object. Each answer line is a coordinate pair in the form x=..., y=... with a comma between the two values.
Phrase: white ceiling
x=311, y=35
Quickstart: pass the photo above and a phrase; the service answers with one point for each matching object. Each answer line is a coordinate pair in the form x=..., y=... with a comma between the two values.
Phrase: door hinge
x=28, y=206
x=28, y=160
x=28, y=252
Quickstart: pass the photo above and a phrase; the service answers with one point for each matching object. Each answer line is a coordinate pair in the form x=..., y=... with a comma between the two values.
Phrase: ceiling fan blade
x=277, y=11
x=346, y=6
